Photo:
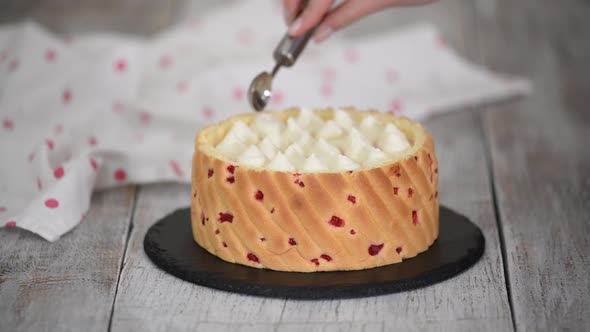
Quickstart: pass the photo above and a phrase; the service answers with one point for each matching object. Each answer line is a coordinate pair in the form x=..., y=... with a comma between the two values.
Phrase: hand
x=345, y=14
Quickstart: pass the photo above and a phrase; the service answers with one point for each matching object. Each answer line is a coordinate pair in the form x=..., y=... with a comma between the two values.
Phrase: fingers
x=290, y=9
x=310, y=17
x=353, y=10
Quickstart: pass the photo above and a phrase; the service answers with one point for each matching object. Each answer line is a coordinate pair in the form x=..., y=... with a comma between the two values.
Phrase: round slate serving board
x=170, y=245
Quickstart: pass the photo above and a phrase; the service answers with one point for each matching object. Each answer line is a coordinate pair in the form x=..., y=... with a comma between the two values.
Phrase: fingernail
x=296, y=26
x=322, y=34
x=286, y=15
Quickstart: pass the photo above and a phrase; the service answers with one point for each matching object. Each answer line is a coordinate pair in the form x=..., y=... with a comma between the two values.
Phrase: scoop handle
x=289, y=49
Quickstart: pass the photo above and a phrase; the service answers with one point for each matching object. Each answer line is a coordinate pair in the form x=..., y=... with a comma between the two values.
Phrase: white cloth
x=105, y=110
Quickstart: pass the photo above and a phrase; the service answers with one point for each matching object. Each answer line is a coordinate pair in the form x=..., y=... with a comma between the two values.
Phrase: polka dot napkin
x=90, y=112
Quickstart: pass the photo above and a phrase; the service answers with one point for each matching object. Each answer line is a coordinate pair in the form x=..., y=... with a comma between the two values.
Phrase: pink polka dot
x=92, y=141
x=181, y=87
x=440, y=42
x=245, y=36
x=11, y=224
x=326, y=90
x=59, y=129
x=276, y=98
x=117, y=107
x=165, y=62
x=120, y=175
x=3, y=209
x=176, y=167
x=50, y=144
x=208, y=112
x=391, y=76
x=66, y=96
x=351, y=55
x=50, y=55
x=7, y=124
x=238, y=94
x=13, y=65
x=39, y=184
x=58, y=172
x=120, y=65
x=145, y=117
x=328, y=74
x=396, y=106
x=93, y=164
x=52, y=203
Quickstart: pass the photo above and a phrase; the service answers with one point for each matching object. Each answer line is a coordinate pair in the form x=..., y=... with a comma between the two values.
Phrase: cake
x=315, y=190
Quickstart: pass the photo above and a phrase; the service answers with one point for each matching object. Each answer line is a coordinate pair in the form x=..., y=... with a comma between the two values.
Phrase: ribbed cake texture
x=315, y=190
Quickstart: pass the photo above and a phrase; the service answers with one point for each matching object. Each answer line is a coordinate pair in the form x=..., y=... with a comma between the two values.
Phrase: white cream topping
x=307, y=143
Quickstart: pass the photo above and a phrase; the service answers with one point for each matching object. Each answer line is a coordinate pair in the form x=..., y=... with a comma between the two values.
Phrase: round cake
x=322, y=190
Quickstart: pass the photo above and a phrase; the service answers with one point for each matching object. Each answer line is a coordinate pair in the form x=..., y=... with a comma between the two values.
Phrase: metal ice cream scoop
x=285, y=54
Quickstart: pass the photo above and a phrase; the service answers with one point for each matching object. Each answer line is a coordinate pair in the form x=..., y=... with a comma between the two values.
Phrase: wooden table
x=520, y=170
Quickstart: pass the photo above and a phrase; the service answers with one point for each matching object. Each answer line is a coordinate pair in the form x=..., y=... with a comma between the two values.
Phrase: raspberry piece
x=259, y=195
x=226, y=217
x=231, y=179
x=231, y=169
x=224, y=244
x=292, y=241
x=315, y=261
x=253, y=258
x=352, y=199
x=374, y=249
x=336, y=221
x=210, y=172
x=395, y=189
x=326, y=257
x=352, y=232
x=410, y=192
x=415, y=217
x=398, y=250
x=217, y=232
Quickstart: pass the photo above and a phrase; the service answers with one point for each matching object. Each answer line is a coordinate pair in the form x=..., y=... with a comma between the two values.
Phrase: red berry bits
x=202, y=218
x=398, y=250
x=292, y=242
x=58, y=172
x=297, y=180
x=52, y=203
x=253, y=258
x=410, y=192
x=231, y=169
x=66, y=96
x=259, y=196
x=210, y=172
x=50, y=144
x=262, y=239
x=326, y=257
x=336, y=221
x=352, y=199
x=395, y=190
x=374, y=249
x=315, y=261
x=396, y=171
x=231, y=179
x=415, y=220
x=272, y=210
x=226, y=217
x=11, y=224
x=352, y=232
x=224, y=244
x=93, y=164
x=217, y=232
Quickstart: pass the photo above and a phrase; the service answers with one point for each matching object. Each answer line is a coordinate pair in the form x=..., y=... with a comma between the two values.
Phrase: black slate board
x=169, y=244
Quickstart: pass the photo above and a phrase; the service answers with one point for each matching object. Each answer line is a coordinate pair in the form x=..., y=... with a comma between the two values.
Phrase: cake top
x=308, y=141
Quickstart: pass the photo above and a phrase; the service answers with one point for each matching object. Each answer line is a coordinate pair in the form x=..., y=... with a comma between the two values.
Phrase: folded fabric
x=100, y=111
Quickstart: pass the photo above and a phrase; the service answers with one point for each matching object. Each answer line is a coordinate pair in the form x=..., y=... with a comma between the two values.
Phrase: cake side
x=317, y=221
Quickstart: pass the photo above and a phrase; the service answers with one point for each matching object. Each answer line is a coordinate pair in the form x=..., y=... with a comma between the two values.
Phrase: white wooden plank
x=541, y=159
x=68, y=284
x=149, y=299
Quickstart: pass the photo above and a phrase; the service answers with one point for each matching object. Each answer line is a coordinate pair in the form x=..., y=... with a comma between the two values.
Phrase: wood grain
x=69, y=283
x=540, y=157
